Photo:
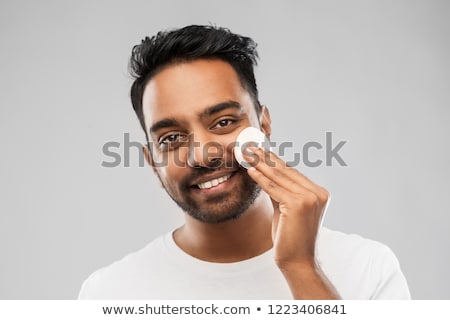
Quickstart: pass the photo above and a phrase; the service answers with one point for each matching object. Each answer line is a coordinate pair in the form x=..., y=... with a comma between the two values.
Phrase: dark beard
x=228, y=209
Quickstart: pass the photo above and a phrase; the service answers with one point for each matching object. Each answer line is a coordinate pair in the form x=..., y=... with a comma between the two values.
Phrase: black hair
x=187, y=44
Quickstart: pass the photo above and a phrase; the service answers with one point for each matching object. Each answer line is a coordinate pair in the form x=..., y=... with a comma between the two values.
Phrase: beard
x=219, y=208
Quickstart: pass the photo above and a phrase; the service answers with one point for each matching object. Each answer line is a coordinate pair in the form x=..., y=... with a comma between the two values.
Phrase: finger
x=276, y=192
x=281, y=198
x=273, y=167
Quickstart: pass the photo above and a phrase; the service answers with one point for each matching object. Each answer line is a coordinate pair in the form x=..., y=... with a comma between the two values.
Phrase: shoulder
x=363, y=268
x=118, y=277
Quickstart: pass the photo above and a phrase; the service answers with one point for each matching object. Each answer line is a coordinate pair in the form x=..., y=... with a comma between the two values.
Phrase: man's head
x=188, y=44
x=194, y=92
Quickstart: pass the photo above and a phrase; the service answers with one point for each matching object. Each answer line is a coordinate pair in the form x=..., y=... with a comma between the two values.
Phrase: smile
x=213, y=182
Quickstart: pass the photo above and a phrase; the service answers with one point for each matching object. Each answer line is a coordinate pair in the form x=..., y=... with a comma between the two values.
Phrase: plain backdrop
x=374, y=73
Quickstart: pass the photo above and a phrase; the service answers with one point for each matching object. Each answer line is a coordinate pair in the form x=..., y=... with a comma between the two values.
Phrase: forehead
x=183, y=90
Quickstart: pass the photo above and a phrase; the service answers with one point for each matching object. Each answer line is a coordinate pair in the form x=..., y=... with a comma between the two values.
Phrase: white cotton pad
x=249, y=137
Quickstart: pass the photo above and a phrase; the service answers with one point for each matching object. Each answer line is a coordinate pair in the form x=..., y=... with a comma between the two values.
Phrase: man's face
x=193, y=113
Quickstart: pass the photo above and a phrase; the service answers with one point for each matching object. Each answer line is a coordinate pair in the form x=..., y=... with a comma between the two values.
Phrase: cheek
x=167, y=173
x=165, y=161
x=167, y=179
x=172, y=169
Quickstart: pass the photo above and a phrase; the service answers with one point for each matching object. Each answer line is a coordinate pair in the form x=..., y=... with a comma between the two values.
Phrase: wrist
x=307, y=280
x=306, y=265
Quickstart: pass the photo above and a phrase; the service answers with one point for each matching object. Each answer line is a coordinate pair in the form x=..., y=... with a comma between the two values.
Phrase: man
x=248, y=234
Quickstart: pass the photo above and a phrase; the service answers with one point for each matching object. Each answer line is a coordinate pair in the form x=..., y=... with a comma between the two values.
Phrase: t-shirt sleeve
x=392, y=284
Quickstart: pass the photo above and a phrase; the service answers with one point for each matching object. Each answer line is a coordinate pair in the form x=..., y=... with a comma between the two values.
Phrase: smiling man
x=248, y=234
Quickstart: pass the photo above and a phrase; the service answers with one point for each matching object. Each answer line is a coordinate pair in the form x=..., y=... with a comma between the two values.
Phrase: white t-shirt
x=358, y=268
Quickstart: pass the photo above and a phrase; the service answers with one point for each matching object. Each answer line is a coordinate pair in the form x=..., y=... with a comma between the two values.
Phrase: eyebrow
x=220, y=107
x=164, y=123
x=172, y=122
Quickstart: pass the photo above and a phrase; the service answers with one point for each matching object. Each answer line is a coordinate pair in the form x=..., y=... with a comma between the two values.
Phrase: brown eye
x=224, y=123
x=172, y=140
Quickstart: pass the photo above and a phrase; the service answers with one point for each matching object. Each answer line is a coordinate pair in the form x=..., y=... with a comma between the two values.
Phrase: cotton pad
x=249, y=137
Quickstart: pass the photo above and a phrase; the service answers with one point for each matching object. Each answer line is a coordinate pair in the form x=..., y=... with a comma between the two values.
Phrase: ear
x=265, y=121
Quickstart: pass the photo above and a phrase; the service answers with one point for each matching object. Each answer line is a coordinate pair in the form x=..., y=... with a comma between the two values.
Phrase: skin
x=285, y=215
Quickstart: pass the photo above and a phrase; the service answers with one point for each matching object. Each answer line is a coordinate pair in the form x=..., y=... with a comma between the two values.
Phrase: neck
x=230, y=241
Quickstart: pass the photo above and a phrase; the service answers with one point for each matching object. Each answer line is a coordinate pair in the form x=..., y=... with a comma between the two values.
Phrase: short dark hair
x=187, y=44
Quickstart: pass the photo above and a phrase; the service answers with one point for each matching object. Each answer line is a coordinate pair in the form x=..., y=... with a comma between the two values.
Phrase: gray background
x=375, y=73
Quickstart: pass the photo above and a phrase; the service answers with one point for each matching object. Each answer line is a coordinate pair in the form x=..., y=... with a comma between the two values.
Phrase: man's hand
x=299, y=205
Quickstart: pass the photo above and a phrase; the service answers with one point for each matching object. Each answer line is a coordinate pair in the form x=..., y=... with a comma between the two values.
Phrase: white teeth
x=208, y=184
x=213, y=182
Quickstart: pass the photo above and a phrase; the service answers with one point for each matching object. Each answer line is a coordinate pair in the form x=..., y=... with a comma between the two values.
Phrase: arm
x=298, y=208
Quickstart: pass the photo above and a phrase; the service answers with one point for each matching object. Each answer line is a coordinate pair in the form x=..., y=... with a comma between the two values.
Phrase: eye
x=172, y=140
x=224, y=123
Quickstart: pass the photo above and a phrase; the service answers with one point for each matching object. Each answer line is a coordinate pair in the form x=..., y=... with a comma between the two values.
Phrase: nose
x=204, y=151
